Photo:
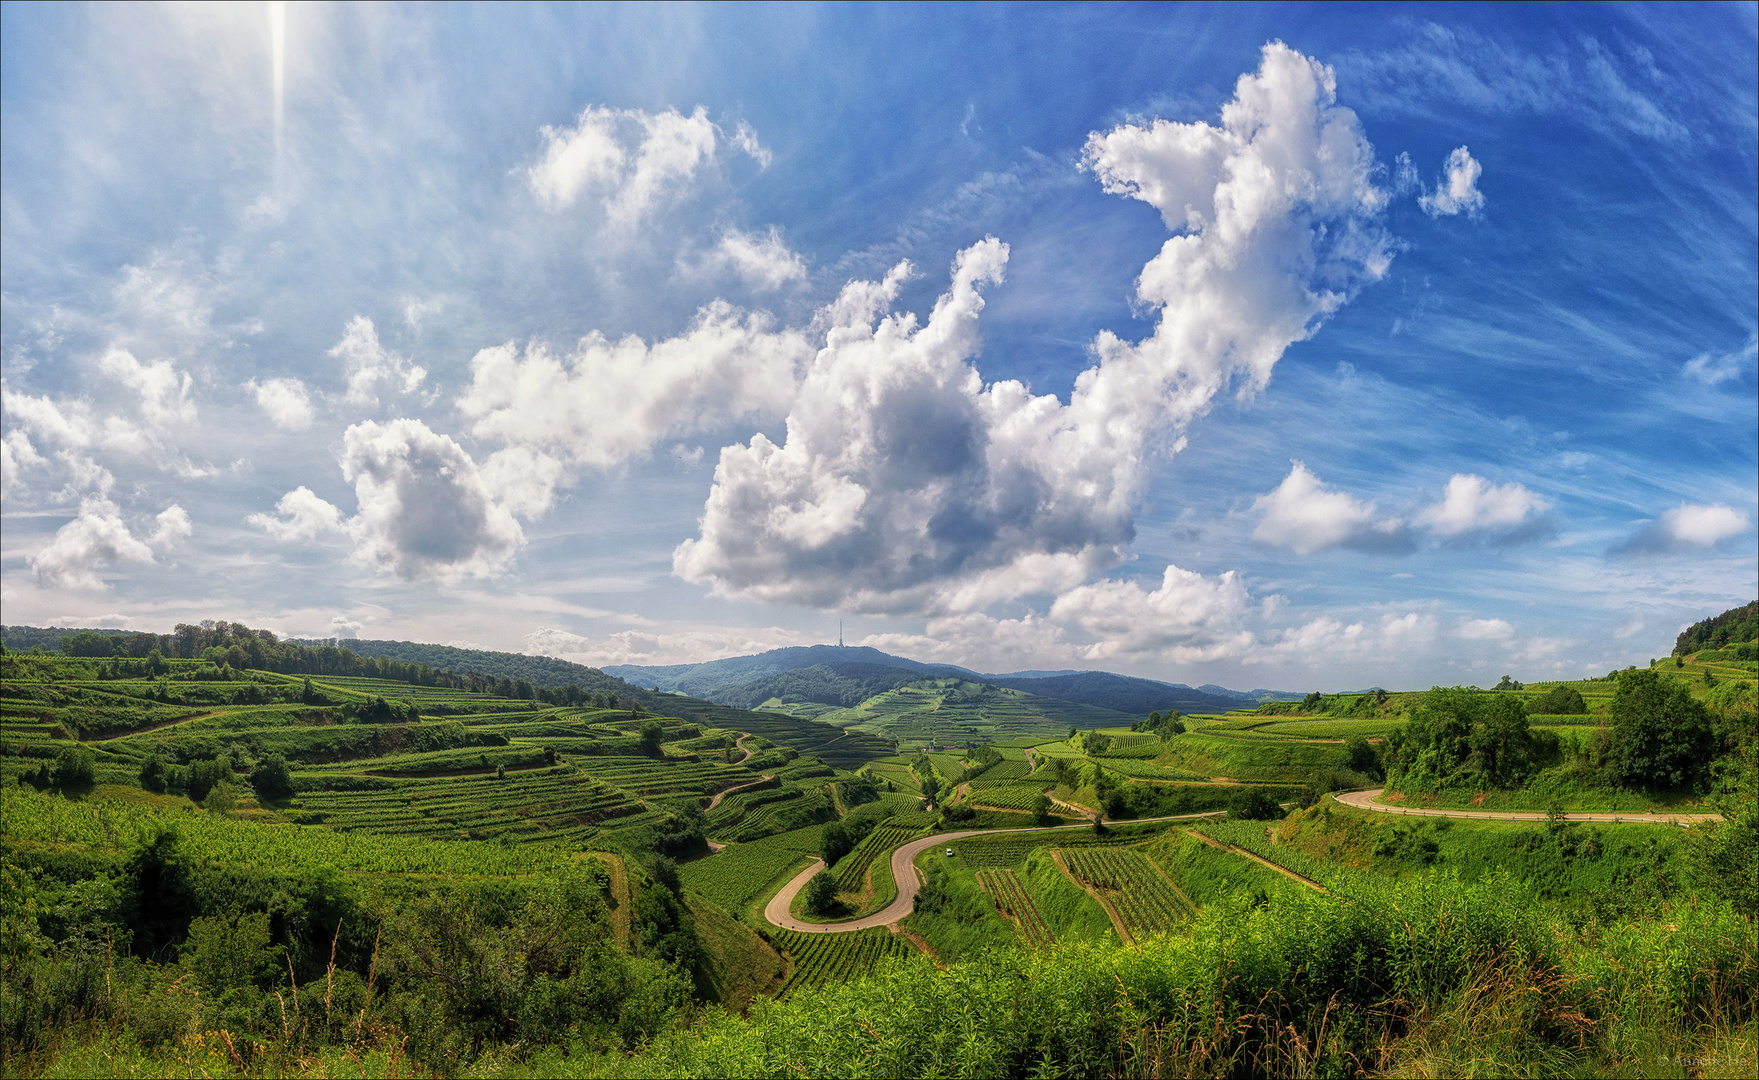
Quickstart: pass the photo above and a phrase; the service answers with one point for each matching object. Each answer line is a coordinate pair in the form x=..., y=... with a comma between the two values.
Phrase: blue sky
x=1284, y=346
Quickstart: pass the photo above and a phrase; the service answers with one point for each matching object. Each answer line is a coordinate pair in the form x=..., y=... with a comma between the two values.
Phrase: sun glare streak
x=278, y=58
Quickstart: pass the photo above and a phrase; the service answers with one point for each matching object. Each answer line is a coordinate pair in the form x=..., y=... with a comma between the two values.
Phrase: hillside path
x=1236, y=849
x=904, y=873
x=157, y=727
x=1369, y=800
x=719, y=795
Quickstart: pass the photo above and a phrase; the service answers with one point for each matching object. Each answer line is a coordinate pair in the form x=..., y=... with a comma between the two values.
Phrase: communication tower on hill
x=839, y=633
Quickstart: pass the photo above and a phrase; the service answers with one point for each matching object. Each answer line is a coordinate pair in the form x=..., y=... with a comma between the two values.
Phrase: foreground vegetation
x=223, y=869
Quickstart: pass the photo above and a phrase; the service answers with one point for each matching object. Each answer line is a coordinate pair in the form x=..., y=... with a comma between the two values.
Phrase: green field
x=951, y=712
x=508, y=883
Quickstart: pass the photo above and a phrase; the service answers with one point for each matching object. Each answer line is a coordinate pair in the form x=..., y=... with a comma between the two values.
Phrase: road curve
x=904, y=873
x=1367, y=800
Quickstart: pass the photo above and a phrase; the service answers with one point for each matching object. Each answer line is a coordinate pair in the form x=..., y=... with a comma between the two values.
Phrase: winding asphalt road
x=1367, y=800
x=904, y=873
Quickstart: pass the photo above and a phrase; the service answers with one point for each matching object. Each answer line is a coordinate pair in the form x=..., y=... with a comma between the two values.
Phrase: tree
x=1313, y=702
x=152, y=773
x=221, y=798
x=1661, y=736
x=273, y=779
x=1041, y=810
x=1255, y=805
x=834, y=843
x=652, y=735
x=821, y=895
x=931, y=784
x=203, y=775
x=1359, y=756
x=75, y=767
x=663, y=871
x=1461, y=737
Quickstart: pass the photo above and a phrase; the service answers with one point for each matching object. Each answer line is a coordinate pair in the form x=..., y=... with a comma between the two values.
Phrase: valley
x=307, y=800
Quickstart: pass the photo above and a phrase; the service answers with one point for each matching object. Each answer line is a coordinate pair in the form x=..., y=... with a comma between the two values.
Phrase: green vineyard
x=850, y=873
x=1144, y=901
x=820, y=959
x=1015, y=903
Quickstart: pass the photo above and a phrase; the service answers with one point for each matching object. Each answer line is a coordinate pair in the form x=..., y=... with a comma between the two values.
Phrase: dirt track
x=904, y=873
x=1367, y=800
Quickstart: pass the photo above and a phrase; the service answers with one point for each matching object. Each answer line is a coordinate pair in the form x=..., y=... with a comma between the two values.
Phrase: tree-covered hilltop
x=1735, y=626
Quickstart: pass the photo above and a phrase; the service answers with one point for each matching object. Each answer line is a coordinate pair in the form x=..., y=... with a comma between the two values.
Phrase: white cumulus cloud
x=94, y=540
x=1457, y=191
x=1473, y=505
x=369, y=364
x=1685, y=528
x=605, y=401
x=286, y=401
x=906, y=483
x=1304, y=516
x=300, y=515
x=425, y=509
x=1484, y=630
x=629, y=160
x=660, y=646
x=16, y=455
x=765, y=261
x=1189, y=618
x=1329, y=638
x=170, y=527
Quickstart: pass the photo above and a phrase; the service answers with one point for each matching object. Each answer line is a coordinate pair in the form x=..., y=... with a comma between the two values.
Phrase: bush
x=1255, y=805
x=1560, y=701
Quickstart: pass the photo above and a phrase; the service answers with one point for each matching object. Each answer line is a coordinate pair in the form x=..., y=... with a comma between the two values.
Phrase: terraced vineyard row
x=826, y=958
x=1250, y=836
x=1013, y=901
x=1144, y=900
x=741, y=872
x=43, y=818
x=1011, y=796
x=804, y=808
x=850, y=872
x=1011, y=849
x=647, y=776
x=556, y=803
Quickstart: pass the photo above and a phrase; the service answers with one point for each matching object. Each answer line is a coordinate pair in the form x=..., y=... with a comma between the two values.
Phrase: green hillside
x=953, y=712
x=272, y=859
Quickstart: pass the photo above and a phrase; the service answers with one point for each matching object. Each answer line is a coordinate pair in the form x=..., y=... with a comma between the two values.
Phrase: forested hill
x=1120, y=693
x=1733, y=627
x=844, y=675
x=536, y=670
x=708, y=679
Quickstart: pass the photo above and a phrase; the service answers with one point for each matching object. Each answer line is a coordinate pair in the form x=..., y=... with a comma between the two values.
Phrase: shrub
x=1255, y=805
x=1560, y=701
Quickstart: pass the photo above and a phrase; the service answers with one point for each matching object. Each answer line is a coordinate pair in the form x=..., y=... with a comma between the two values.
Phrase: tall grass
x=1430, y=977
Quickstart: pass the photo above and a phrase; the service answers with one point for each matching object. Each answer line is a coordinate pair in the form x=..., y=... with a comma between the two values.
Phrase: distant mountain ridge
x=831, y=674
x=827, y=674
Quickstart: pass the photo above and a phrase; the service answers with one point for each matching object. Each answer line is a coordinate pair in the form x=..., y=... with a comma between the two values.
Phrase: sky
x=1302, y=347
